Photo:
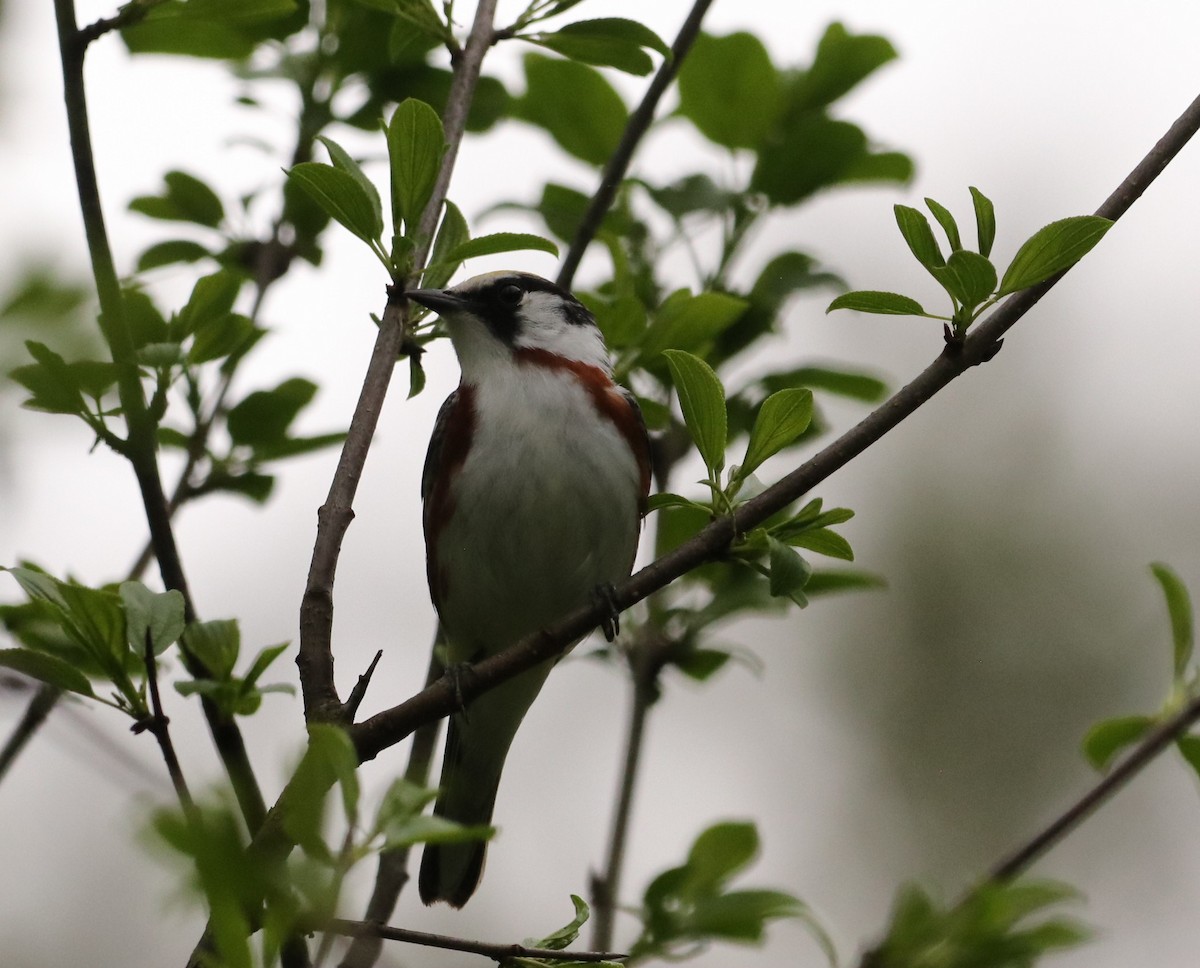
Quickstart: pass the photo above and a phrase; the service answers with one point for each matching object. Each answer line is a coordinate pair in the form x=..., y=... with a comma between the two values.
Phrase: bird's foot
x=606, y=595
x=459, y=672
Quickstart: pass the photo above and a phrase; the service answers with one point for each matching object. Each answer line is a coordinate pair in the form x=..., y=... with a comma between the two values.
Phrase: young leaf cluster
x=990, y=928
x=301, y=895
x=72, y=636
x=693, y=904
x=1106, y=740
x=968, y=276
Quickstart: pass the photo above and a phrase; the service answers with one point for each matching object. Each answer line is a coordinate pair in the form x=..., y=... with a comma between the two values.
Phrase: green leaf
x=718, y=853
x=967, y=276
x=845, y=383
x=216, y=644
x=877, y=166
x=341, y=197
x=566, y=935
x=843, y=60
x=827, y=582
x=91, y=618
x=730, y=90
x=160, y=355
x=688, y=322
x=789, y=572
x=782, y=418
x=916, y=231
x=741, y=915
x=329, y=759
x=575, y=104
x=430, y=829
x=823, y=542
x=810, y=153
x=452, y=233
x=605, y=42
x=985, y=221
x=343, y=161
x=221, y=336
x=50, y=381
x=212, y=297
x=226, y=29
x=1053, y=249
x=263, y=417
x=1106, y=739
x=881, y=303
x=169, y=252
x=46, y=668
x=1179, y=608
x=262, y=661
x=702, y=400
x=416, y=144
x=499, y=242
x=186, y=199
x=159, y=615
x=1189, y=748
x=946, y=221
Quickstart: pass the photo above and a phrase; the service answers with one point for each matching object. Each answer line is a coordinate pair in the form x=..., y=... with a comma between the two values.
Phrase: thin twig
x=44, y=698
x=158, y=725
x=497, y=952
x=1021, y=859
x=645, y=664
x=127, y=16
x=442, y=698
x=391, y=875
x=636, y=128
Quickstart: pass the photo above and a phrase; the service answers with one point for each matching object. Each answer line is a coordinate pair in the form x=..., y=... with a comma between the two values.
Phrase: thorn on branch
x=350, y=709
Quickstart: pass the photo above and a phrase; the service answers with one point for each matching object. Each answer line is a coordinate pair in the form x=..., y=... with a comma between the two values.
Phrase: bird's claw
x=606, y=595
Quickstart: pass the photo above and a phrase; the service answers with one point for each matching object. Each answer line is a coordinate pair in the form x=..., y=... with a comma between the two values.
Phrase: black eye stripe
x=498, y=302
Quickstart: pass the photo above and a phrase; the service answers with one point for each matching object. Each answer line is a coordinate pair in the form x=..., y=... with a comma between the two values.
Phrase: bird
x=534, y=489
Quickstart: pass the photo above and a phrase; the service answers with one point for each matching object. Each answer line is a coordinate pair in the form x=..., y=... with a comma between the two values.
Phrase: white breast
x=545, y=509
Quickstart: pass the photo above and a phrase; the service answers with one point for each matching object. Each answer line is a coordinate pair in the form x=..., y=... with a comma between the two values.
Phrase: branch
x=315, y=659
x=141, y=448
x=44, y=699
x=1021, y=859
x=392, y=873
x=646, y=661
x=129, y=14
x=635, y=130
x=391, y=726
x=158, y=725
x=497, y=952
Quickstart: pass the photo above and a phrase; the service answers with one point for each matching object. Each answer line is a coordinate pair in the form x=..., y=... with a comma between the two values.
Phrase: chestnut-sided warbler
x=534, y=488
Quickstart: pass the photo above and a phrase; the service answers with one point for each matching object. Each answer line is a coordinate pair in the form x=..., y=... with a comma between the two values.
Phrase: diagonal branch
x=315, y=659
x=635, y=130
x=376, y=734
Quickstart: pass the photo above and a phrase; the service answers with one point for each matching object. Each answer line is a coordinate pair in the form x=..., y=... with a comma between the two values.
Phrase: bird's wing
x=640, y=442
x=436, y=442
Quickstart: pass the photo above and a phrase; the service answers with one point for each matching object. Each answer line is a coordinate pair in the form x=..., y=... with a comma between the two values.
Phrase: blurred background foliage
x=918, y=731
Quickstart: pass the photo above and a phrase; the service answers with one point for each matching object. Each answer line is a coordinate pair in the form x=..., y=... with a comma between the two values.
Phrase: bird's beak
x=441, y=301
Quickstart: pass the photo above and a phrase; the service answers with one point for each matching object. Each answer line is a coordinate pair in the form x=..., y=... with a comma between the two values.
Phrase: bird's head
x=498, y=314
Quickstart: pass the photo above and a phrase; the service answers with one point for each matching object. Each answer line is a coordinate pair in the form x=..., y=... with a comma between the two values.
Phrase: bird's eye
x=510, y=295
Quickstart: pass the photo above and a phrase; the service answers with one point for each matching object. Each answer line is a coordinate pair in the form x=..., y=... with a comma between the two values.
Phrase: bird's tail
x=451, y=872
x=477, y=744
